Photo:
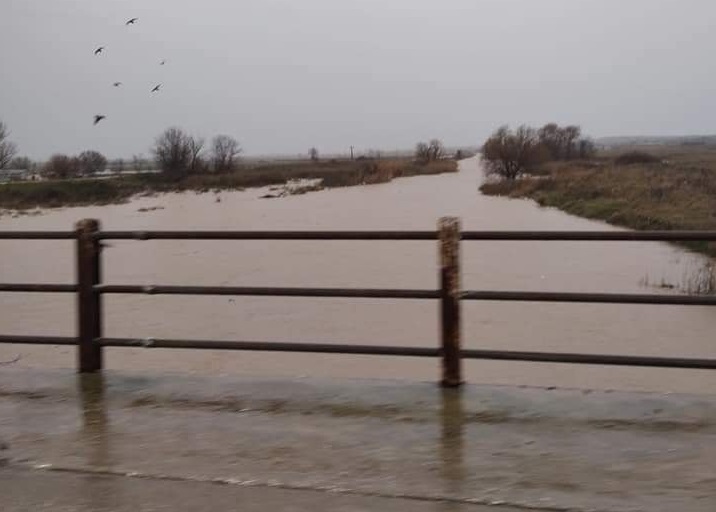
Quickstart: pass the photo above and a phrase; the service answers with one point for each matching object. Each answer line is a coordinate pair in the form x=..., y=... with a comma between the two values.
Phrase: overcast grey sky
x=284, y=75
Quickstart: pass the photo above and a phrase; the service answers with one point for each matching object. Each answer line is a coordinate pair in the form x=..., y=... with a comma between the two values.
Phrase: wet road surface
x=40, y=491
x=547, y=449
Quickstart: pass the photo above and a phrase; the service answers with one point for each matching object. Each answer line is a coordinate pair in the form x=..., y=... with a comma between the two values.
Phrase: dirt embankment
x=333, y=173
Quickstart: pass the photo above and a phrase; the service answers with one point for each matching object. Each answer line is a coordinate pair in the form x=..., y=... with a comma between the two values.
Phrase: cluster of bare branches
x=177, y=153
x=7, y=147
x=564, y=143
x=508, y=153
x=429, y=151
x=226, y=150
x=87, y=163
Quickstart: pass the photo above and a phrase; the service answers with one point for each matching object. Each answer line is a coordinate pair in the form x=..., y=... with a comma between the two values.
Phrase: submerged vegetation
x=697, y=279
x=94, y=191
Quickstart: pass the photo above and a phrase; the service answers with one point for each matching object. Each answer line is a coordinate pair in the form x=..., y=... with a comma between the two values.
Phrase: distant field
x=675, y=191
x=702, y=141
x=333, y=173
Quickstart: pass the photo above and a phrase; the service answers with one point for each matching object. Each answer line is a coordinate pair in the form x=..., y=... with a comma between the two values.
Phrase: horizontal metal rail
x=273, y=346
x=266, y=291
x=664, y=236
x=604, y=298
x=40, y=287
x=38, y=340
x=267, y=235
x=630, y=236
x=596, y=359
x=592, y=236
x=332, y=348
x=38, y=235
x=595, y=298
x=379, y=350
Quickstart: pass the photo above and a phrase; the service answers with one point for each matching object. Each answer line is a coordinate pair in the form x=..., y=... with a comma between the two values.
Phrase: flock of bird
x=100, y=49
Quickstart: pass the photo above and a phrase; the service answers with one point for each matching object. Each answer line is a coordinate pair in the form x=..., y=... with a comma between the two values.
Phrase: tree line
x=508, y=153
x=429, y=151
x=175, y=153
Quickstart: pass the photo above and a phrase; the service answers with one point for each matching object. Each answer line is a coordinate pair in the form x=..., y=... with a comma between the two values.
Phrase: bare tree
x=550, y=136
x=436, y=149
x=422, y=151
x=564, y=143
x=196, y=144
x=61, y=167
x=313, y=154
x=91, y=162
x=571, y=135
x=427, y=152
x=225, y=150
x=508, y=154
x=173, y=152
x=7, y=148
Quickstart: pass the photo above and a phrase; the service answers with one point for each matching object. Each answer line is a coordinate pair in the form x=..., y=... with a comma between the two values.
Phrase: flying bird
x=117, y=84
x=132, y=21
x=162, y=62
x=156, y=88
x=99, y=50
x=98, y=118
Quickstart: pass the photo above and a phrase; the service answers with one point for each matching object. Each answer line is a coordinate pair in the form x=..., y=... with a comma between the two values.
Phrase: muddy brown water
x=405, y=204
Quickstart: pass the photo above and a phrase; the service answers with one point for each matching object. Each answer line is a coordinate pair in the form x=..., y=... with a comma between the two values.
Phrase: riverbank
x=676, y=191
x=84, y=192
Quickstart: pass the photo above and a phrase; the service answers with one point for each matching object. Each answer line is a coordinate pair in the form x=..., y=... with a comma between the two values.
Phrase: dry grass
x=677, y=192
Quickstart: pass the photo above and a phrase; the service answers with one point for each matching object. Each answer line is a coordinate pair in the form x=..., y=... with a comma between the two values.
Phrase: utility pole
x=351, y=152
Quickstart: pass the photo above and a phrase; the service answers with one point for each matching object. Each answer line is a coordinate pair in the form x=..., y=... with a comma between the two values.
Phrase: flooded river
x=405, y=204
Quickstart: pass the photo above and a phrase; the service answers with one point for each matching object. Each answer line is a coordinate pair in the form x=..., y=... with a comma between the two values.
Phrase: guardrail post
x=449, y=233
x=89, y=309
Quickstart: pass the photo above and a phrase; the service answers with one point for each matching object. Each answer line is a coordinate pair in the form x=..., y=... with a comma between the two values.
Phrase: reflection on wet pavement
x=95, y=437
x=484, y=444
x=451, y=439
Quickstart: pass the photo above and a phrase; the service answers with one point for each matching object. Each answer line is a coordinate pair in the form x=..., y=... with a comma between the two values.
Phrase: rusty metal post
x=449, y=233
x=89, y=310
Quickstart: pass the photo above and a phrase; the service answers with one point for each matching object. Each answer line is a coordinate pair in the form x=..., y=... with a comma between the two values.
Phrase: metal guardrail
x=377, y=350
x=90, y=290
x=512, y=236
x=369, y=293
x=601, y=236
